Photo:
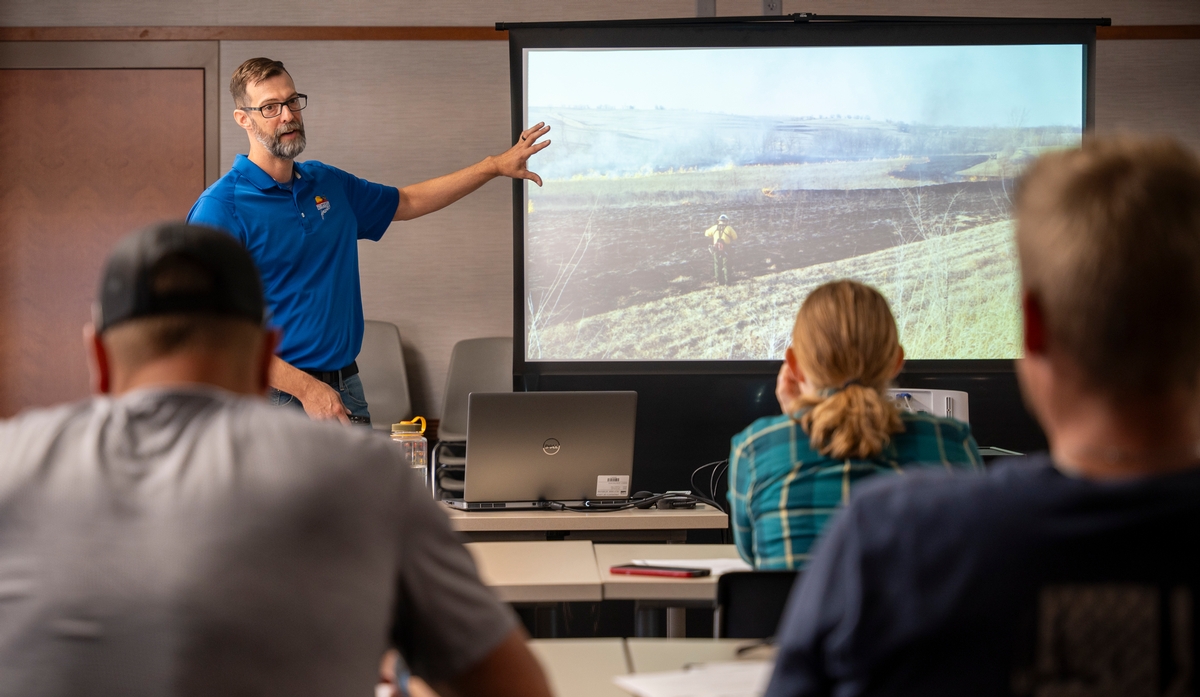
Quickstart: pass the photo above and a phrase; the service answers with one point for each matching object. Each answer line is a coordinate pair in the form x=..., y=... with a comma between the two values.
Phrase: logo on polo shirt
x=322, y=206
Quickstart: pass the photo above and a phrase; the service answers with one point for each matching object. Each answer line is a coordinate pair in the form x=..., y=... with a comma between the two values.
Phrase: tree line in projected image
x=618, y=266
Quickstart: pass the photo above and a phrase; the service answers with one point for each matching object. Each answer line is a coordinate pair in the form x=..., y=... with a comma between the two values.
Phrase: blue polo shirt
x=304, y=238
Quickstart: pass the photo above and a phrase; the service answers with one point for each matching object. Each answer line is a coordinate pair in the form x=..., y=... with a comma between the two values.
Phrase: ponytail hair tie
x=831, y=391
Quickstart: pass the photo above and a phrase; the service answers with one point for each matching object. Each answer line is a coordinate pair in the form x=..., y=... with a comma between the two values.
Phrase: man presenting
x=301, y=223
x=176, y=536
x=1073, y=573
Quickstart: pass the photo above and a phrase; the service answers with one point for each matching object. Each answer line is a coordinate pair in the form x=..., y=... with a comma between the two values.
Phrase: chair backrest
x=751, y=603
x=476, y=365
x=385, y=382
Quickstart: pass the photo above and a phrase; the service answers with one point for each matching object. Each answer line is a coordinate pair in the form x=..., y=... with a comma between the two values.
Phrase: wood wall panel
x=89, y=155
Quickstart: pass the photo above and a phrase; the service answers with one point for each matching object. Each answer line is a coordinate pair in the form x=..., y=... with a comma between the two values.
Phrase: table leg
x=647, y=620
x=546, y=621
x=676, y=622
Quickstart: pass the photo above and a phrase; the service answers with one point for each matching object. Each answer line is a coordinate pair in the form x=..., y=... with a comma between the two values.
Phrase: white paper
x=716, y=566
x=735, y=679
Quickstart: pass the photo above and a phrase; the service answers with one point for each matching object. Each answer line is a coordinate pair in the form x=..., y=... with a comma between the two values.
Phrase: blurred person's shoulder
x=32, y=431
x=939, y=490
x=1018, y=515
x=1015, y=493
x=927, y=498
x=935, y=514
x=228, y=436
x=300, y=441
x=272, y=458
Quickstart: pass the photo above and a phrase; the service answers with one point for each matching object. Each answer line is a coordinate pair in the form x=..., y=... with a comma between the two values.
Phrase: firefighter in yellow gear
x=722, y=235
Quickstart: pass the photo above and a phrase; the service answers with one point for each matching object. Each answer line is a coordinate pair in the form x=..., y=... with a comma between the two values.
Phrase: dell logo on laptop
x=551, y=446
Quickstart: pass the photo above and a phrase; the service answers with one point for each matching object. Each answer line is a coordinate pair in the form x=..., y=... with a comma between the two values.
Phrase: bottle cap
x=410, y=426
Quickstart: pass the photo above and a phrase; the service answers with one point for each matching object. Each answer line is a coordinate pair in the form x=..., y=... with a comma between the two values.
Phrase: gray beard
x=271, y=141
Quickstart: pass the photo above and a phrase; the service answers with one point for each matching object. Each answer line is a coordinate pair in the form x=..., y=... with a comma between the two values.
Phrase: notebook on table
x=526, y=449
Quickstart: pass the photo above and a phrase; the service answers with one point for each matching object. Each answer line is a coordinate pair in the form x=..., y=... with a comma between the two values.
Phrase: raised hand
x=512, y=162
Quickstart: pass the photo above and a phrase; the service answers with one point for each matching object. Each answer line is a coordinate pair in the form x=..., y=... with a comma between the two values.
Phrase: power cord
x=600, y=507
x=718, y=468
x=715, y=478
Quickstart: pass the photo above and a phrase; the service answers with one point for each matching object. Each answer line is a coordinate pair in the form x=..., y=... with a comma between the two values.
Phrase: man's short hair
x=253, y=72
x=137, y=342
x=1109, y=242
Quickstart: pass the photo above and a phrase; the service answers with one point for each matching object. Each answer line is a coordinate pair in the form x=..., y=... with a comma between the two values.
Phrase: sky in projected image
x=937, y=85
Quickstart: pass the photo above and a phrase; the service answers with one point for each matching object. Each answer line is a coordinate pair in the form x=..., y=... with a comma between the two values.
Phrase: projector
x=949, y=403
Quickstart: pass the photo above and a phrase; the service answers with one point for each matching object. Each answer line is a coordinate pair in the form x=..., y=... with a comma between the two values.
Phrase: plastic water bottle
x=410, y=435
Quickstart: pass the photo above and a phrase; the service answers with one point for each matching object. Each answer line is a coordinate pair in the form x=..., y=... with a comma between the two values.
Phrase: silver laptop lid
x=553, y=446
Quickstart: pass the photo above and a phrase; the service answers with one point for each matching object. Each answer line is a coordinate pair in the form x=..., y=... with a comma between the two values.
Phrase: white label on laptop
x=612, y=486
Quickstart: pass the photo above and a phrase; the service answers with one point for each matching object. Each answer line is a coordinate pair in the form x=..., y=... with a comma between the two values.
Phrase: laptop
x=525, y=449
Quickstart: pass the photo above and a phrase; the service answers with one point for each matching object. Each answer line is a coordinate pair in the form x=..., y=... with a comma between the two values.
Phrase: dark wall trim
x=1149, y=32
x=1132, y=32
x=251, y=34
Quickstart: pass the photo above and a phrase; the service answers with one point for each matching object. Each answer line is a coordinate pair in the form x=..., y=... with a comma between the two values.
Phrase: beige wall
x=399, y=112
x=1149, y=87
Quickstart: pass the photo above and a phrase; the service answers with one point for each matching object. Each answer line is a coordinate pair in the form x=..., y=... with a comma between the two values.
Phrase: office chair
x=750, y=603
x=476, y=365
x=381, y=369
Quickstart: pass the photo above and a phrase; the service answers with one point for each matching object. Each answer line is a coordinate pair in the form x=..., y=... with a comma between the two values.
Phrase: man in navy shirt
x=301, y=223
x=1073, y=573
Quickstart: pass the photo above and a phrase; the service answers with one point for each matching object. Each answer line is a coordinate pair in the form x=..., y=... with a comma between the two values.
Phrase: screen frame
x=751, y=33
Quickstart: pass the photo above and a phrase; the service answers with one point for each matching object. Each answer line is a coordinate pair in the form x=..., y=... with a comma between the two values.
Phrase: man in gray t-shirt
x=177, y=536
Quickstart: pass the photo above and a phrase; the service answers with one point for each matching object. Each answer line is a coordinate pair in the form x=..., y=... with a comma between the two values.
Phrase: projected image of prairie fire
x=693, y=197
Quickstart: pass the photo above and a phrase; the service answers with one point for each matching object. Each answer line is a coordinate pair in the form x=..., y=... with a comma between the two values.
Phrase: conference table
x=586, y=667
x=539, y=572
x=653, y=592
x=578, y=570
x=631, y=525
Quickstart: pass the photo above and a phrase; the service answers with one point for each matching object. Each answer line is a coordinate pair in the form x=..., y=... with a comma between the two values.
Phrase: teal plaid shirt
x=783, y=492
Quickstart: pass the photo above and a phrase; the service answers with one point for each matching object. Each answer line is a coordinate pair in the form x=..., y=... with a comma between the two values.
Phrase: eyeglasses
x=270, y=111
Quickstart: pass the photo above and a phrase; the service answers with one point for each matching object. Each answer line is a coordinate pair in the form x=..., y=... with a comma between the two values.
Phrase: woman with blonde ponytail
x=789, y=473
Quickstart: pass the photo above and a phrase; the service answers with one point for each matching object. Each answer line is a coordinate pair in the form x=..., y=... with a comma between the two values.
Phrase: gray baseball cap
x=175, y=267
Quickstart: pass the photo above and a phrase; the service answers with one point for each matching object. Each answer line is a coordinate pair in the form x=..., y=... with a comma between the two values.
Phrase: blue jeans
x=351, y=391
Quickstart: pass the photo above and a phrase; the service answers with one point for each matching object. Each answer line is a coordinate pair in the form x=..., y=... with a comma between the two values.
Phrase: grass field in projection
x=618, y=266
x=954, y=295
